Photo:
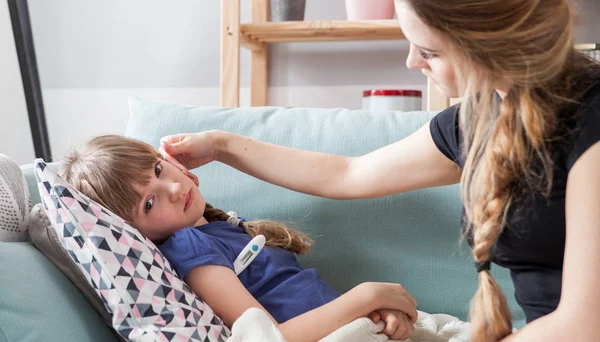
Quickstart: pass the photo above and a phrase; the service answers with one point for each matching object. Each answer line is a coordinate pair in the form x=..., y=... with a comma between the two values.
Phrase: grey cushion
x=14, y=202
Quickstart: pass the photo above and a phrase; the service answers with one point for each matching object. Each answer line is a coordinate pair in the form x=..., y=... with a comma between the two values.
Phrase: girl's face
x=427, y=51
x=171, y=201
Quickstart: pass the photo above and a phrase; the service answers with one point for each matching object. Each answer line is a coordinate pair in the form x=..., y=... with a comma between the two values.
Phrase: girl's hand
x=189, y=150
x=389, y=296
x=398, y=325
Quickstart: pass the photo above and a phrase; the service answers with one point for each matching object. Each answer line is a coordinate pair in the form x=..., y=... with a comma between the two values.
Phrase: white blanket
x=255, y=326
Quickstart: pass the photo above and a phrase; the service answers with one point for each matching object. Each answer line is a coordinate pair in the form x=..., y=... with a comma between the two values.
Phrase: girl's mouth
x=189, y=198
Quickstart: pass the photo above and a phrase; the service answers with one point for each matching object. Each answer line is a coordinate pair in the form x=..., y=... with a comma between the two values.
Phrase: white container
x=366, y=100
x=383, y=100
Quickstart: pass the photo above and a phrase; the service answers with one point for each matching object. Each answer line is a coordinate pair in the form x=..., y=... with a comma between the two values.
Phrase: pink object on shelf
x=369, y=9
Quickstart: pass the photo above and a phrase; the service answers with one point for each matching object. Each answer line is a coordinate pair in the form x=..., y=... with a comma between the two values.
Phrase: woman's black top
x=532, y=243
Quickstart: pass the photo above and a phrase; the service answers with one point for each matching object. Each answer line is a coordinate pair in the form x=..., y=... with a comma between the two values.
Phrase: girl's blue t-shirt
x=274, y=277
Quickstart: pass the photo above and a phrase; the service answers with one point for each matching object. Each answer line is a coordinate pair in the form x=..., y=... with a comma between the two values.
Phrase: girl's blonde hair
x=109, y=168
x=527, y=45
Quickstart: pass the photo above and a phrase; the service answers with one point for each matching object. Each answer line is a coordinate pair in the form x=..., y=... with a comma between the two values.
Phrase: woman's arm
x=221, y=289
x=411, y=163
x=578, y=312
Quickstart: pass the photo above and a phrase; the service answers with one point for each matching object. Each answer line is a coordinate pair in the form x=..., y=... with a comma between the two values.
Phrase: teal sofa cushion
x=411, y=238
x=38, y=303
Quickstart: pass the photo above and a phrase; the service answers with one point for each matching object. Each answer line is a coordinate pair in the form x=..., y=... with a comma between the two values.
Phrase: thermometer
x=248, y=253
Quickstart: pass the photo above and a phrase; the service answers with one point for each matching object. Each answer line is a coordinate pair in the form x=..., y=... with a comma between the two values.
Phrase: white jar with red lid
x=382, y=100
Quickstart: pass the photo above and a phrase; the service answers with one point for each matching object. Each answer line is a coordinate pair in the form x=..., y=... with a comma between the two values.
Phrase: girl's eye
x=157, y=169
x=148, y=205
x=426, y=55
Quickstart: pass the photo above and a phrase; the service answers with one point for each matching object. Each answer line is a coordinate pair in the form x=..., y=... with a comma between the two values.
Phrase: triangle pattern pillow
x=144, y=296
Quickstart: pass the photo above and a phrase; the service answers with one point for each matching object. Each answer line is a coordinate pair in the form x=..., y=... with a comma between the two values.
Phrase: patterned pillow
x=144, y=296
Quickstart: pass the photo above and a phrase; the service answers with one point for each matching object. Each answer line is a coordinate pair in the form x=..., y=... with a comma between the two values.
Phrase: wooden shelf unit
x=319, y=31
x=257, y=35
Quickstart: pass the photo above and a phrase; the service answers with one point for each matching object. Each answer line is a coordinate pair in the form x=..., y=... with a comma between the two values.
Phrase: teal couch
x=411, y=238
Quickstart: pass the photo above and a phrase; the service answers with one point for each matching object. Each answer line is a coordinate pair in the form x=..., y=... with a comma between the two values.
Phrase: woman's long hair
x=528, y=46
x=109, y=168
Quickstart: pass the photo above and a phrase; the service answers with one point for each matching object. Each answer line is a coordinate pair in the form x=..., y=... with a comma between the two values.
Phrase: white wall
x=93, y=55
x=15, y=135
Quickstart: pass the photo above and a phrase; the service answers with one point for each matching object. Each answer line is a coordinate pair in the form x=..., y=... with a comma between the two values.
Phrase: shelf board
x=319, y=31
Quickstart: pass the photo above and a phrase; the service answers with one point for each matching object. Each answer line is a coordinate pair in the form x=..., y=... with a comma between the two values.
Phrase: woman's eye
x=426, y=55
x=148, y=205
x=157, y=169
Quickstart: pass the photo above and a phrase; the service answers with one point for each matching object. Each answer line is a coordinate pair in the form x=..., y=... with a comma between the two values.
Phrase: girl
x=523, y=144
x=130, y=178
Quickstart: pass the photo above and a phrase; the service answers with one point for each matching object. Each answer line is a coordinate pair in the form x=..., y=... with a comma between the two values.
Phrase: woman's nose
x=414, y=60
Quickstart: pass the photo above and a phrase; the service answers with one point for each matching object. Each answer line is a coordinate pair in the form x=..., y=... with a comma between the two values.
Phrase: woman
x=523, y=144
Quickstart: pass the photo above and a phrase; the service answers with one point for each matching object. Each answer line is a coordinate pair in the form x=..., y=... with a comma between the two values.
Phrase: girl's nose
x=175, y=192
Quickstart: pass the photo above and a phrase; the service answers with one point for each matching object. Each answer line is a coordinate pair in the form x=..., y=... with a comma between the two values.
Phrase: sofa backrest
x=411, y=238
